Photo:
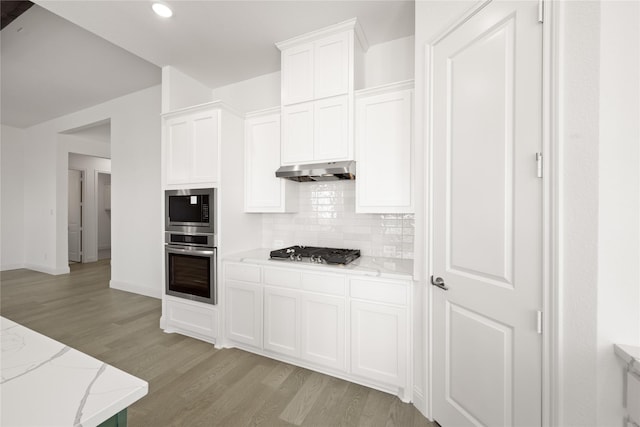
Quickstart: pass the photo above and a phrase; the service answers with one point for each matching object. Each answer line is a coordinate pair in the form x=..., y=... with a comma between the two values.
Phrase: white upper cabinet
x=263, y=191
x=317, y=69
x=320, y=71
x=191, y=147
x=384, y=145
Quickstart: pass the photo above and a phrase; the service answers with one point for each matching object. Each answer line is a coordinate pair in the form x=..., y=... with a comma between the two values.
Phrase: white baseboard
x=48, y=270
x=136, y=289
x=7, y=267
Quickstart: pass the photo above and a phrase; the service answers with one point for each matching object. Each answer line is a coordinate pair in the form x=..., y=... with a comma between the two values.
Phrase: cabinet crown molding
x=395, y=86
x=350, y=24
x=200, y=107
x=264, y=112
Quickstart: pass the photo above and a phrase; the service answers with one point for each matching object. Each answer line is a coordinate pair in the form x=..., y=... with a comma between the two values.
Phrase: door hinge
x=539, y=164
x=539, y=322
x=541, y=11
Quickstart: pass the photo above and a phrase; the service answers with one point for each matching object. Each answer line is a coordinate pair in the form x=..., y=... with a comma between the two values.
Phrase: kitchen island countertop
x=46, y=383
x=390, y=268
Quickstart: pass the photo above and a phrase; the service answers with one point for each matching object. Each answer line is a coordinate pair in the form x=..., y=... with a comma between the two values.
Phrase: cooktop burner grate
x=316, y=254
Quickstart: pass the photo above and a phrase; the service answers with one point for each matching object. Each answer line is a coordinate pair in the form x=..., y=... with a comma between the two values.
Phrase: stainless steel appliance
x=331, y=171
x=316, y=255
x=190, y=245
x=190, y=211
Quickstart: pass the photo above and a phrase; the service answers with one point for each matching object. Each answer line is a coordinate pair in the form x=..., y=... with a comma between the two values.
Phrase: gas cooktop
x=316, y=255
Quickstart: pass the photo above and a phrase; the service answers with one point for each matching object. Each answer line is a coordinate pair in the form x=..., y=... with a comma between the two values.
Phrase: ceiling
x=215, y=42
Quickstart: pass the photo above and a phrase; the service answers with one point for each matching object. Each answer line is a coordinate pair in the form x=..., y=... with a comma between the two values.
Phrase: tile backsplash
x=326, y=217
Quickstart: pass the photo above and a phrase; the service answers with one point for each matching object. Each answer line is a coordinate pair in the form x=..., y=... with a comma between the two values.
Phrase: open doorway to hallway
x=94, y=209
x=103, y=183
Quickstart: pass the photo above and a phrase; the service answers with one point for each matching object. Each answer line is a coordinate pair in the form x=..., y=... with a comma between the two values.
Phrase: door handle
x=439, y=282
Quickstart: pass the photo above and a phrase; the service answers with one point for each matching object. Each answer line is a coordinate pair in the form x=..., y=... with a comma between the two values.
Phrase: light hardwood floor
x=190, y=382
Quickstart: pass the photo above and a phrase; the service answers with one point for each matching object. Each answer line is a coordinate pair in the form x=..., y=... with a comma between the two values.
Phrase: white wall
x=180, y=90
x=11, y=198
x=599, y=133
x=135, y=154
x=618, y=288
x=90, y=207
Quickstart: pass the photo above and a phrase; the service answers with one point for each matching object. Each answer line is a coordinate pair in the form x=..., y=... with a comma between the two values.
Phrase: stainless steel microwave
x=192, y=211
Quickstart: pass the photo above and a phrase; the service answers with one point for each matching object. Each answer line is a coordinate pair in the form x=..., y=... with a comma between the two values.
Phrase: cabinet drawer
x=281, y=277
x=378, y=291
x=242, y=272
x=323, y=283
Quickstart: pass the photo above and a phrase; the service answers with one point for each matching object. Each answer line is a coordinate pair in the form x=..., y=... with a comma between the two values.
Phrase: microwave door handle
x=190, y=251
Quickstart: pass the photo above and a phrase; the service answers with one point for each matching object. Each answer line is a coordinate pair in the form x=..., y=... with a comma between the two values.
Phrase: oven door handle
x=198, y=251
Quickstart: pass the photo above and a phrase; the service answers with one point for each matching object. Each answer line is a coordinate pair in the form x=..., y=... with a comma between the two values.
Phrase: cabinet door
x=323, y=326
x=244, y=312
x=282, y=321
x=384, y=143
x=297, y=74
x=332, y=65
x=379, y=342
x=178, y=150
x=331, y=129
x=263, y=191
x=205, y=147
x=297, y=134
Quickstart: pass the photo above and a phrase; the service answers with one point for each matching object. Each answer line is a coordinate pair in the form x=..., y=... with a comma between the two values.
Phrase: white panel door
x=486, y=219
x=244, y=312
x=332, y=65
x=282, y=321
x=331, y=129
x=178, y=150
x=263, y=191
x=75, y=215
x=323, y=326
x=384, y=143
x=205, y=147
x=297, y=74
x=297, y=134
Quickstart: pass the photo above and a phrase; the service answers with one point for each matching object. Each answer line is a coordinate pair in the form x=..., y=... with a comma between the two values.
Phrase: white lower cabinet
x=244, y=312
x=323, y=330
x=379, y=342
x=282, y=321
x=191, y=318
x=351, y=326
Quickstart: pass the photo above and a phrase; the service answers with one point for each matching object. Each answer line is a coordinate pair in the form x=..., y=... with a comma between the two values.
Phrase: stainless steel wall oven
x=190, y=245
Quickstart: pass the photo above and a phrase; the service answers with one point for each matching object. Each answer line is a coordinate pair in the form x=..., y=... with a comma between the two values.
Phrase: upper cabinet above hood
x=331, y=171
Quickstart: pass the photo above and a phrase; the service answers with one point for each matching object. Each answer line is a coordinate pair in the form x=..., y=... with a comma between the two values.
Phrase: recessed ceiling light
x=162, y=10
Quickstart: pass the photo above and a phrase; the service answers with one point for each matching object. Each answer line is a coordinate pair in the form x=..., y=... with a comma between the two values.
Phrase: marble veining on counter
x=46, y=383
x=390, y=268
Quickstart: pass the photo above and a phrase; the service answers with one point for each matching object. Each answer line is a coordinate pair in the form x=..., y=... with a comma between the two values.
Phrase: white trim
x=551, y=256
x=136, y=289
x=7, y=267
x=47, y=270
x=389, y=87
x=202, y=107
x=263, y=112
x=350, y=24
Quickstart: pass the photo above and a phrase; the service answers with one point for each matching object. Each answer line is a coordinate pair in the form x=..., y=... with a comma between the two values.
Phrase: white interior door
x=75, y=215
x=486, y=219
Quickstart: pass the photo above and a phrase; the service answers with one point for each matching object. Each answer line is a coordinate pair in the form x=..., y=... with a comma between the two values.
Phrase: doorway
x=103, y=212
x=74, y=227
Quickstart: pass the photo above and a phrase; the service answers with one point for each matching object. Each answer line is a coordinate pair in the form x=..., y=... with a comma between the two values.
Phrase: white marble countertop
x=630, y=354
x=390, y=268
x=46, y=383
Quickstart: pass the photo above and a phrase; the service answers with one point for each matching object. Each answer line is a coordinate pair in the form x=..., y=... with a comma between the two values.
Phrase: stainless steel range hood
x=331, y=171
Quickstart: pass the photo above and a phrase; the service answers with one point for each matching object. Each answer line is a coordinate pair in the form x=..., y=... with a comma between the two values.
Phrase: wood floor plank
x=191, y=382
x=302, y=403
